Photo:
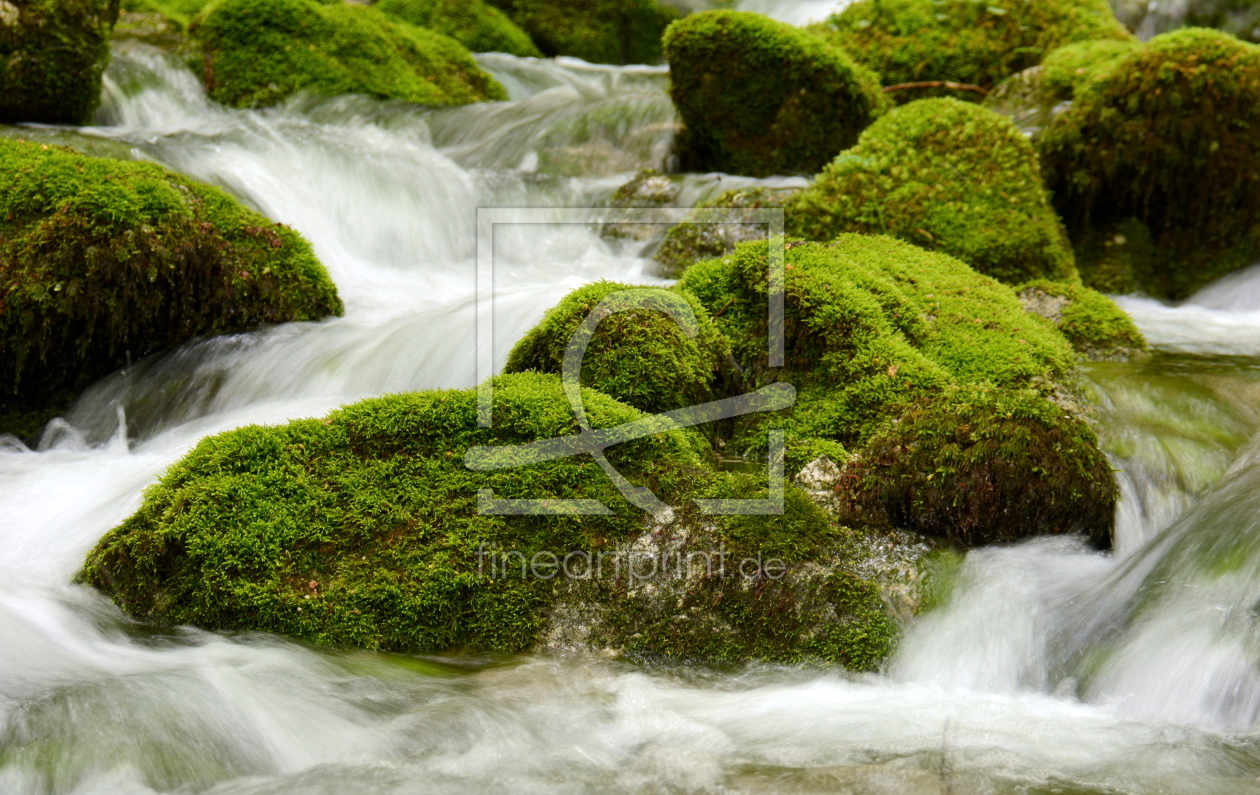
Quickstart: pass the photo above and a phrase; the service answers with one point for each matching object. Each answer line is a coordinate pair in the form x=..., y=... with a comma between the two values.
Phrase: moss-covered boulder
x=983, y=465
x=945, y=175
x=961, y=41
x=1169, y=136
x=709, y=232
x=475, y=24
x=872, y=324
x=259, y=52
x=52, y=55
x=760, y=97
x=1097, y=328
x=104, y=261
x=362, y=529
x=641, y=356
x=598, y=31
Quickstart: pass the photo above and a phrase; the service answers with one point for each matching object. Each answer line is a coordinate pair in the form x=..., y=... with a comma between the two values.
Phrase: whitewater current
x=1053, y=668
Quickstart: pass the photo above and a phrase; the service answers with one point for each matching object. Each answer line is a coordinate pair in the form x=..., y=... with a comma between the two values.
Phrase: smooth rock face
x=52, y=55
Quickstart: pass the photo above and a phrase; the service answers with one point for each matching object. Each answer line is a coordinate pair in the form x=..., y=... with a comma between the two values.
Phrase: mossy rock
x=710, y=234
x=961, y=41
x=948, y=176
x=872, y=324
x=1097, y=328
x=52, y=56
x=1170, y=136
x=104, y=261
x=1119, y=257
x=597, y=31
x=363, y=530
x=984, y=465
x=640, y=356
x=254, y=53
x=760, y=97
x=475, y=24
x=160, y=23
x=649, y=188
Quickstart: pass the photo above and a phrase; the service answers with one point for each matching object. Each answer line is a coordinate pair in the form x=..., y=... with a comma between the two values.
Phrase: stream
x=1052, y=668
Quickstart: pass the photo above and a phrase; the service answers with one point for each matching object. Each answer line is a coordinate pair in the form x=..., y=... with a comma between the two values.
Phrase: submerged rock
x=760, y=97
x=52, y=56
x=363, y=530
x=254, y=53
x=106, y=261
x=963, y=42
x=597, y=31
x=948, y=176
x=475, y=24
x=1168, y=136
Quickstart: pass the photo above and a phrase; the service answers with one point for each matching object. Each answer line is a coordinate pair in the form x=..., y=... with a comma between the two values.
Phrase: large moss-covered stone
x=259, y=52
x=52, y=55
x=475, y=24
x=104, y=261
x=1167, y=137
x=961, y=41
x=948, y=176
x=760, y=97
x=598, y=31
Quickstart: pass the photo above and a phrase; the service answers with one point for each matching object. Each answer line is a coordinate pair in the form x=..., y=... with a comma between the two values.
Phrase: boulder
x=475, y=24
x=597, y=31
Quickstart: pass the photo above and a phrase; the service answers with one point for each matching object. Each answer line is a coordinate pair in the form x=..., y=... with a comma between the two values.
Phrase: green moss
x=52, y=55
x=102, y=261
x=259, y=52
x=872, y=324
x=961, y=41
x=597, y=31
x=362, y=530
x=1069, y=68
x=1169, y=136
x=944, y=175
x=1096, y=327
x=475, y=24
x=761, y=97
x=704, y=235
x=984, y=465
x=641, y=357
x=166, y=20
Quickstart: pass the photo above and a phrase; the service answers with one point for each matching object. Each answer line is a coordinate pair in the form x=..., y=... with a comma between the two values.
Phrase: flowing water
x=1052, y=668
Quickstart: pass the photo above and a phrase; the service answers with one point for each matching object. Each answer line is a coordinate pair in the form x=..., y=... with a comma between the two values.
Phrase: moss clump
x=52, y=55
x=259, y=52
x=985, y=465
x=760, y=97
x=704, y=235
x=960, y=41
x=362, y=529
x=872, y=325
x=642, y=357
x=1170, y=136
x=103, y=260
x=1096, y=327
x=597, y=31
x=944, y=175
x=1069, y=68
x=475, y=24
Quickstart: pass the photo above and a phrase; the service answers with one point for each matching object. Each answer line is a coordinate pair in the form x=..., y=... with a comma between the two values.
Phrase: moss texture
x=1089, y=320
x=872, y=325
x=103, y=260
x=760, y=97
x=598, y=31
x=259, y=52
x=1169, y=136
x=641, y=357
x=362, y=530
x=52, y=55
x=960, y=41
x=704, y=235
x=475, y=24
x=984, y=465
x=945, y=175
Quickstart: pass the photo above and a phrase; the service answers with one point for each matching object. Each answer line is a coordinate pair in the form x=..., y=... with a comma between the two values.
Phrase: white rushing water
x=1052, y=669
